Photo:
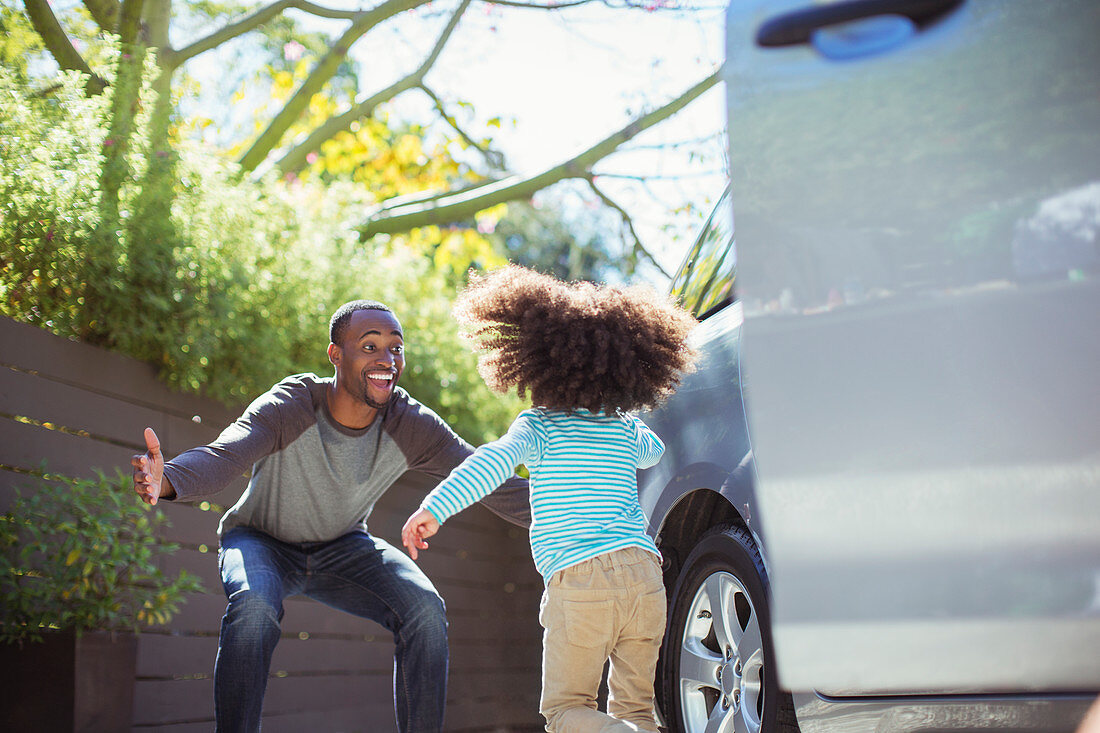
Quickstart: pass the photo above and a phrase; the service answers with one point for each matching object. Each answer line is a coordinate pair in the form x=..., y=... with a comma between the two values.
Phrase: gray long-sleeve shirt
x=313, y=479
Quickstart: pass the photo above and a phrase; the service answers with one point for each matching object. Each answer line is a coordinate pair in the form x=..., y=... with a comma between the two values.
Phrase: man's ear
x=334, y=353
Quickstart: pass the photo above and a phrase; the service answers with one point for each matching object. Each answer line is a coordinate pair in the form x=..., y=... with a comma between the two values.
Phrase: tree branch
x=459, y=206
x=57, y=42
x=220, y=36
x=295, y=160
x=104, y=13
x=321, y=73
x=537, y=6
x=494, y=158
x=666, y=177
x=424, y=198
x=638, y=246
x=635, y=4
x=129, y=26
x=323, y=12
x=231, y=31
x=264, y=14
x=701, y=140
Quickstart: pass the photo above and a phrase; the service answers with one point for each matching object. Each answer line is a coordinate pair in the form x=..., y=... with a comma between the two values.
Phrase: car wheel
x=717, y=670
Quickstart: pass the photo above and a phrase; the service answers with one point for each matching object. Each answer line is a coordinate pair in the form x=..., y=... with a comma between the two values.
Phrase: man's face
x=372, y=357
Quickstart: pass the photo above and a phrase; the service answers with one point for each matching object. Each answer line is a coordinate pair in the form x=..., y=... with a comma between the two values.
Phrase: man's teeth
x=381, y=377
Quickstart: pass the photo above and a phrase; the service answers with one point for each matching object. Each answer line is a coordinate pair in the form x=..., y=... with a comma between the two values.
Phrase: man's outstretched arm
x=273, y=418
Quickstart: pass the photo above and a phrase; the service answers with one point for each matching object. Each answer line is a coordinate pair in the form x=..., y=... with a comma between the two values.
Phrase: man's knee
x=426, y=619
x=252, y=619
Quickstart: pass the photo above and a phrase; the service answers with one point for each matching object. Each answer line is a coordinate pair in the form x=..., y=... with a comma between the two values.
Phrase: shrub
x=49, y=170
x=82, y=554
x=223, y=282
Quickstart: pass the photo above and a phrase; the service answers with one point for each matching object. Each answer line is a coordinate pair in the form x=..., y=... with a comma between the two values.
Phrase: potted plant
x=78, y=579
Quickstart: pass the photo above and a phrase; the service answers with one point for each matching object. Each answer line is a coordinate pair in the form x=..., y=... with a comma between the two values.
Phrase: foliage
x=233, y=287
x=50, y=162
x=17, y=40
x=82, y=554
x=316, y=87
x=549, y=239
x=117, y=231
x=441, y=368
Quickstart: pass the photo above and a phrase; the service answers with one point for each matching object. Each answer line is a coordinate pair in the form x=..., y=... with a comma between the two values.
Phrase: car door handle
x=799, y=26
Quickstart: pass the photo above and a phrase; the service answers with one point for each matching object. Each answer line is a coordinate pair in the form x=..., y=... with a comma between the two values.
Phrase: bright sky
x=569, y=79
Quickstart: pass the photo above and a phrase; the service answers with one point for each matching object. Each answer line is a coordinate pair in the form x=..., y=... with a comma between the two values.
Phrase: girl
x=588, y=355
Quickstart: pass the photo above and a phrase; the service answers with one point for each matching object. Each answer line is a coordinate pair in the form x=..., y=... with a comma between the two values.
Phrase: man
x=322, y=451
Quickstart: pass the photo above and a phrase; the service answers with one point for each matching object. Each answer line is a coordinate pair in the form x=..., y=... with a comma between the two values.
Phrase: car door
x=916, y=188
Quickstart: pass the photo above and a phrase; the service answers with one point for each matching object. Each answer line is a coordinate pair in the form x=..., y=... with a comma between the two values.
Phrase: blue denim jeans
x=357, y=573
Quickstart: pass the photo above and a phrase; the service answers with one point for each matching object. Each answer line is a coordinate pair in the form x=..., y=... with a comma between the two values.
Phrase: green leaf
x=50, y=585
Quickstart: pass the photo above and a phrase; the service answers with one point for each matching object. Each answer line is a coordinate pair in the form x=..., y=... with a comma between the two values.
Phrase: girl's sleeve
x=650, y=447
x=484, y=470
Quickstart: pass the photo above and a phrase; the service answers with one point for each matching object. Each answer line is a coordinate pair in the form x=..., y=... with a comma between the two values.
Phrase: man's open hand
x=149, y=469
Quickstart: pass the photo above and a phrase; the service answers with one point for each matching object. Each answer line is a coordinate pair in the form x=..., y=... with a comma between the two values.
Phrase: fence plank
x=165, y=656
x=366, y=718
x=33, y=349
x=191, y=525
x=158, y=702
x=343, y=702
x=204, y=726
x=289, y=695
x=174, y=656
x=324, y=698
x=202, y=564
x=27, y=446
x=28, y=395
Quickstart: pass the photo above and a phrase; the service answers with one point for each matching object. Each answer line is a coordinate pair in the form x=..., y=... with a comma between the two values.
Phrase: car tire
x=717, y=669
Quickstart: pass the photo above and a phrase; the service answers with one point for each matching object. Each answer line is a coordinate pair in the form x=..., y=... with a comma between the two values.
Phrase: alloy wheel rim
x=721, y=668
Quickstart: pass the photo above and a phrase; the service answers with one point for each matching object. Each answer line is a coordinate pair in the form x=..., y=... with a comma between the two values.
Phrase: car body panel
x=698, y=454
x=917, y=258
x=704, y=431
x=1015, y=714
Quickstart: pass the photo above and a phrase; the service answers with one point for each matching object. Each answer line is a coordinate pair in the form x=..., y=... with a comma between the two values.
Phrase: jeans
x=357, y=573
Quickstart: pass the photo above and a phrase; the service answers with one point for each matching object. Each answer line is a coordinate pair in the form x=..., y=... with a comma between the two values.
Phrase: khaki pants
x=609, y=607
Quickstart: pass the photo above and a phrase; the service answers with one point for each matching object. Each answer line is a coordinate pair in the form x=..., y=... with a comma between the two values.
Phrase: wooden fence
x=78, y=407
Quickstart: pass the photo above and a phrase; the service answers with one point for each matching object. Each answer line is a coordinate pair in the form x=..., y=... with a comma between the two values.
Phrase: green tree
x=117, y=231
x=550, y=238
x=282, y=143
x=257, y=268
x=18, y=41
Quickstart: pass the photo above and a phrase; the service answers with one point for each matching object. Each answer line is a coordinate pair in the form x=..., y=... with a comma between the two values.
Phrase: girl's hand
x=419, y=526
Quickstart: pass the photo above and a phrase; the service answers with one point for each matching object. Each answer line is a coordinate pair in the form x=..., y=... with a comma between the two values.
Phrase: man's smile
x=383, y=378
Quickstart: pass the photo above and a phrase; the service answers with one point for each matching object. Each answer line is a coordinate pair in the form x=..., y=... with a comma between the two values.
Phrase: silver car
x=882, y=487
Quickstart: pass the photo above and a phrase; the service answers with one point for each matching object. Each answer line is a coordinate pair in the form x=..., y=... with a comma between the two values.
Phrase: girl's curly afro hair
x=575, y=345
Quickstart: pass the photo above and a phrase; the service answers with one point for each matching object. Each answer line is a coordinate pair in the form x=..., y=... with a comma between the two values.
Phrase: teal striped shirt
x=584, y=486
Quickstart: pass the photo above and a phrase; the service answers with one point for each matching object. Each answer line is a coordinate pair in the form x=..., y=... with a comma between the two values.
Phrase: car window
x=704, y=283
